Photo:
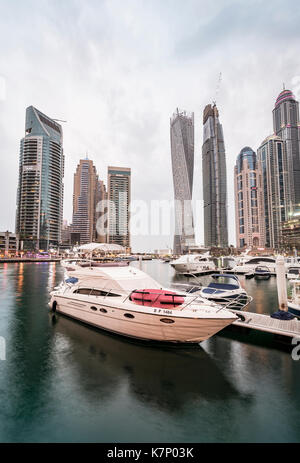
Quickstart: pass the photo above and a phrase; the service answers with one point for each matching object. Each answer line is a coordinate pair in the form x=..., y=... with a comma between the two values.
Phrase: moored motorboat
x=226, y=289
x=262, y=272
x=293, y=273
x=129, y=302
x=193, y=263
x=248, y=264
x=294, y=300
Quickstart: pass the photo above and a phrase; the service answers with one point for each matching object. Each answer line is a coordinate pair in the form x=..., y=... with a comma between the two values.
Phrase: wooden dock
x=267, y=324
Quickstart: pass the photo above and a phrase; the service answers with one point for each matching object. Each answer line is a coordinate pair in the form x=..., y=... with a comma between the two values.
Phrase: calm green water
x=62, y=381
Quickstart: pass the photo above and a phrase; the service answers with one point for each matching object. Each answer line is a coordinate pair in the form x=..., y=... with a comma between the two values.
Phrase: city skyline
x=117, y=102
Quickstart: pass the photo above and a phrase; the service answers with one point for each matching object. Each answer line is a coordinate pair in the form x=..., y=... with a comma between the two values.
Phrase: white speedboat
x=293, y=273
x=127, y=301
x=249, y=264
x=226, y=289
x=262, y=272
x=294, y=301
x=193, y=263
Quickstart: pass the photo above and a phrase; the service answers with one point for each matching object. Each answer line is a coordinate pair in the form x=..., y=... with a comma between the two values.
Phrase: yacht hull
x=146, y=327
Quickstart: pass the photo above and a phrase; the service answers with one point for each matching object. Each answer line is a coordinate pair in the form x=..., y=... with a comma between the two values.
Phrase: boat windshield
x=294, y=271
x=224, y=282
x=258, y=260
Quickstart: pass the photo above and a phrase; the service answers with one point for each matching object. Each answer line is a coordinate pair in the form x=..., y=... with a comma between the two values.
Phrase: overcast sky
x=115, y=70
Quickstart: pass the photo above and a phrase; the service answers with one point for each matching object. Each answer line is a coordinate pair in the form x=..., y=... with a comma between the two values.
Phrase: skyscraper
x=182, y=153
x=119, y=194
x=101, y=214
x=273, y=159
x=85, y=199
x=249, y=204
x=40, y=189
x=287, y=126
x=214, y=180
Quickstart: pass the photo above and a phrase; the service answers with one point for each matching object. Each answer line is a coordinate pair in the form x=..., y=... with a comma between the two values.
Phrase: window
x=128, y=315
x=94, y=292
x=167, y=320
x=83, y=291
x=103, y=310
x=93, y=308
x=98, y=292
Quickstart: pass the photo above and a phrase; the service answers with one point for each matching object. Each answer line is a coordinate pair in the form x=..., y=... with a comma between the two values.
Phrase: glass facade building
x=275, y=184
x=87, y=194
x=214, y=180
x=119, y=195
x=40, y=189
x=249, y=204
x=182, y=154
x=287, y=126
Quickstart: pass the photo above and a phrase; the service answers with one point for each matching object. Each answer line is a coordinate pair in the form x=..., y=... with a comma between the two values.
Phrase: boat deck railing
x=238, y=303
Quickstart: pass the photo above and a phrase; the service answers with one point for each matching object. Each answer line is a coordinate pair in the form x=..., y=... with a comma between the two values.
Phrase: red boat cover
x=156, y=298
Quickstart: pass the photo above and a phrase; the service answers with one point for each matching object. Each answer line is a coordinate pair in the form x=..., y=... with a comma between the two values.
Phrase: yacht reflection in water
x=168, y=378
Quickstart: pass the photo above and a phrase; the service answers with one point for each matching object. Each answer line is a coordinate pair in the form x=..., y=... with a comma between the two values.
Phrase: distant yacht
x=128, y=302
x=193, y=263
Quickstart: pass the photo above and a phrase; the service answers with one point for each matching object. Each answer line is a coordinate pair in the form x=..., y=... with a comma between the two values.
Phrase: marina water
x=65, y=382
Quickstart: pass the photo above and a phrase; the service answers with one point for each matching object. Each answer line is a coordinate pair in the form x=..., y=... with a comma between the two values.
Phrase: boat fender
x=54, y=305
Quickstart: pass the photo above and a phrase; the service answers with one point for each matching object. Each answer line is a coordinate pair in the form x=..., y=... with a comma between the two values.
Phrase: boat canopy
x=223, y=285
x=114, y=278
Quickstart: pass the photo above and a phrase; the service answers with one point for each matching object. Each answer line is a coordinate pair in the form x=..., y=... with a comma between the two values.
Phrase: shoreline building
x=40, y=189
x=249, y=201
x=9, y=244
x=291, y=232
x=86, y=196
x=182, y=154
x=214, y=180
x=286, y=125
x=275, y=184
x=119, y=196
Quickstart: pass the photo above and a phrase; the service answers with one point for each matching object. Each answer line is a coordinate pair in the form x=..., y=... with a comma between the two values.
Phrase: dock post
x=140, y=262
x=281, y=284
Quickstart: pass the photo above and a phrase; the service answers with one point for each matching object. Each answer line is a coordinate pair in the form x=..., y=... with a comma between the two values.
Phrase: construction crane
x=218, y=88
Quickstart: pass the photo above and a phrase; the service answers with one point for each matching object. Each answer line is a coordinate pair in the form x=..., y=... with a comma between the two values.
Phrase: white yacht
x=193, y=263
x=248, y=264
x=224, y=289
x=294, y=301
x=127, y=301
x=293, y=273
x=262, y=272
